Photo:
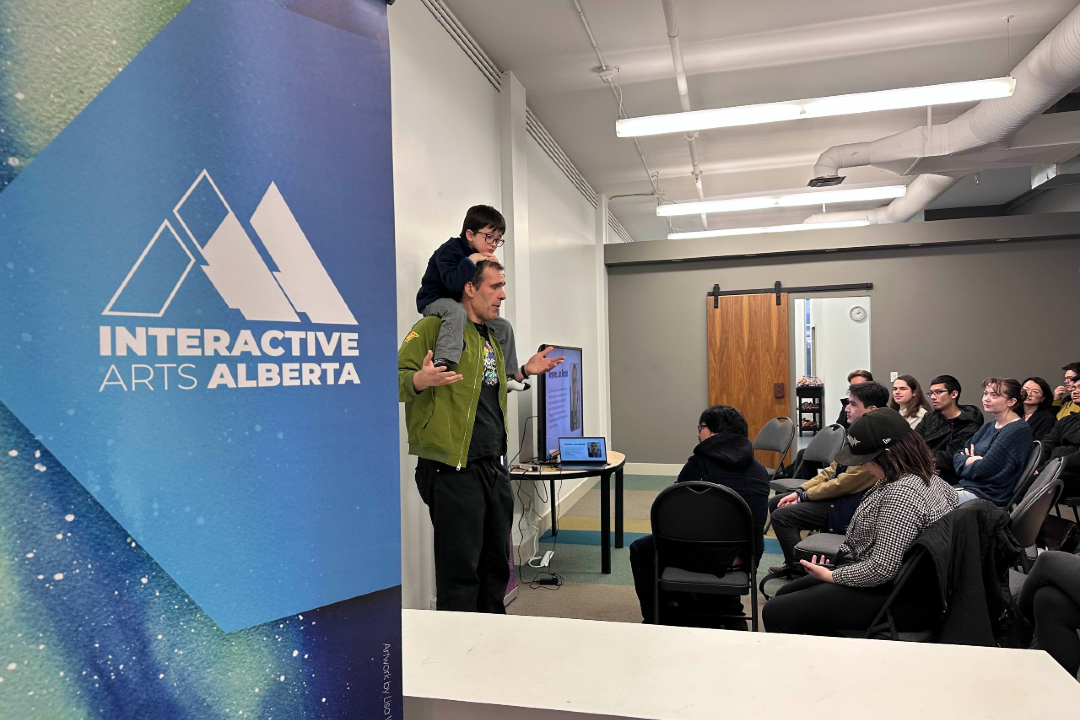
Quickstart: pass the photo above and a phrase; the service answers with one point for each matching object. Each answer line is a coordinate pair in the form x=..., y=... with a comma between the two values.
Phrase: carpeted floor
x=586, y=593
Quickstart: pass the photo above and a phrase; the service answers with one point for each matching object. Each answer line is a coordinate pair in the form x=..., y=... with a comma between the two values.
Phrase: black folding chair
x=1027, y=518
x=884, y=620
x=696, y=519
x=821, y=449
x=777, y=436
x=1027, y=476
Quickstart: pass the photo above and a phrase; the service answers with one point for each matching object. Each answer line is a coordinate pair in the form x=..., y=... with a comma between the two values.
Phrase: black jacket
x=972, y=549
x=1063, y=441
x=728, y=459
x=1041, y=423
x=947, y=437
x=447, y=272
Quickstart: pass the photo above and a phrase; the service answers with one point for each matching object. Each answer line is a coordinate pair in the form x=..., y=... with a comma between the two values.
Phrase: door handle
x=778, y=390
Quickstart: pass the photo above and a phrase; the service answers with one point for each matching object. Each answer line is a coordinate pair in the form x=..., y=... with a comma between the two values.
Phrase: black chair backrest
x=1029, y=514
x=701, y=515
x=824, y=446
x=1027, y=475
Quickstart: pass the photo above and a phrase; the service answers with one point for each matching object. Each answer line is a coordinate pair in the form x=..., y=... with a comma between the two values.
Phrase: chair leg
x=753, y=603
x=656, y=602
x=892, y=625
x=1075, y=514
x=656, y=587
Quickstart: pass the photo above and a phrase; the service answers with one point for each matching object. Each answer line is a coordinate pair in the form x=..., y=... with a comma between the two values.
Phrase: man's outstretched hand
x=540, y=363
x=431, y=376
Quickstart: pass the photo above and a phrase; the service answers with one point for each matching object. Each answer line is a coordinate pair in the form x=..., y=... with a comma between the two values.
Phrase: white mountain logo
x=232, y=262
x=852, y=441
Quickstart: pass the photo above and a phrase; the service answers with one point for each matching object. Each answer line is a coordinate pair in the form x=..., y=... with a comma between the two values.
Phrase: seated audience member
x=808, y=470
x=906, y=498
x=1063, y=401
x=950, y=426
x=990, y=466
x=827, y=501
x=1050, y=600
x=1063, y=441
x=908, y=399
x=1037, y=402
x=724, y=455
x=855, y=377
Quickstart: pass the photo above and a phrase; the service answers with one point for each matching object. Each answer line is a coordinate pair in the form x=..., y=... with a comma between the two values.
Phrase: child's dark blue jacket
x=447, y=272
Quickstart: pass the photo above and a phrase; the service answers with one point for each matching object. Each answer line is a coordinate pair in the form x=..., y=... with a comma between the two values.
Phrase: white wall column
x=603, y=380
x=515, y=208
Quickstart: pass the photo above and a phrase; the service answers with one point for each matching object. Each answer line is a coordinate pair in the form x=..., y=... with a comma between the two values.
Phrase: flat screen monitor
x=560, y=401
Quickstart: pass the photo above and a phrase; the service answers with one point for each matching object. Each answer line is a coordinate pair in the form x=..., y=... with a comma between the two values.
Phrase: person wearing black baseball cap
x=907, y=498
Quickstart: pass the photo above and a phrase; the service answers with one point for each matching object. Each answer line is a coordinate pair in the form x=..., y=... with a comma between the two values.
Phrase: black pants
x=472, y=510
x=643, y=564
x=809, y=606
x=789, y=521
x=1050, y=599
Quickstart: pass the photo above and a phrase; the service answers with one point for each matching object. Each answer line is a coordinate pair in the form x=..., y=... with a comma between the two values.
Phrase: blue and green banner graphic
x=198, y=412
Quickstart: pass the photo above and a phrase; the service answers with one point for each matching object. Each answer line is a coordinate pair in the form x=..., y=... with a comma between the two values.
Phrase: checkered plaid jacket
x=889, y=518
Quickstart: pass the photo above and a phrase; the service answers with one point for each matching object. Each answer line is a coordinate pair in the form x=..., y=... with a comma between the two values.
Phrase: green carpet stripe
x=592, y=537
x=588, y=537
x=646, y=482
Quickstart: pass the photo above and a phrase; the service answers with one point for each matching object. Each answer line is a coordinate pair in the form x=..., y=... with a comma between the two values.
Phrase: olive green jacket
x=440, y=419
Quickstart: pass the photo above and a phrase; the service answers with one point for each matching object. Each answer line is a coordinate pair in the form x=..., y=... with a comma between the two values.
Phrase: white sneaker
x=512, y=384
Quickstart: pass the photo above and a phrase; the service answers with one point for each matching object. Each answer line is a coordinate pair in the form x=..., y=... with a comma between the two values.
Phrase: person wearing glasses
x=448, y=269
x=1037, y=402
x=949, y=427
x=724, y=455
x=1062, y=393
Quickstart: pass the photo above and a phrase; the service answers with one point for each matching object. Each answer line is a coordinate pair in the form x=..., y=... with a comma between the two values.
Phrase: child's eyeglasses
x=490, y=239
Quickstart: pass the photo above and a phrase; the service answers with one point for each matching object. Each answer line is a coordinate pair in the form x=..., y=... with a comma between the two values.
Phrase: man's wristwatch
x=801, y=494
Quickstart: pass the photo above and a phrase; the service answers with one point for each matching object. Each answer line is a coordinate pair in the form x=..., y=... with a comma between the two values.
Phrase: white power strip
x=547, y=558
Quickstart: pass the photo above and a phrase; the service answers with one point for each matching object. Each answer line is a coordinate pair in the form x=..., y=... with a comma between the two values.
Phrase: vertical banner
x=198, y=405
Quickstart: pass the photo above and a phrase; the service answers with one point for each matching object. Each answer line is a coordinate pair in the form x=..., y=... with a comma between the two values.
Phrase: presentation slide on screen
x=563, y=399
x=586, y=449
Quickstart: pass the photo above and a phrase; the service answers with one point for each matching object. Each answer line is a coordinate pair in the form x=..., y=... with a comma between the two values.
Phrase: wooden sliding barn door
x=748, y=358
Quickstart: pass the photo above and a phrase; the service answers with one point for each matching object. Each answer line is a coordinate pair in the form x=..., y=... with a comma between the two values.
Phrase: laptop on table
x=582, y=453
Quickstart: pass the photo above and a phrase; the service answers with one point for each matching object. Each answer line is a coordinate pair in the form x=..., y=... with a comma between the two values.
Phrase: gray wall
x=1009, y=309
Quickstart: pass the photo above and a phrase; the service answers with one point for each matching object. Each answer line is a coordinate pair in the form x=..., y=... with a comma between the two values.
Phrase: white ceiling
x=738, y=53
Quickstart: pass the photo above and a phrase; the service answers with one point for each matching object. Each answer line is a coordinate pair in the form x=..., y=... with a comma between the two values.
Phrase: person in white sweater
x=909, y=400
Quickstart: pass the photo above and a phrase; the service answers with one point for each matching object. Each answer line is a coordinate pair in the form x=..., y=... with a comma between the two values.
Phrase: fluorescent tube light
x=855, y=103
x=771, y=229
x=801, y=199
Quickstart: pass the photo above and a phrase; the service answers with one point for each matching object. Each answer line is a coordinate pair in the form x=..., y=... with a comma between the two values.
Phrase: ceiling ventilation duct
x=1048, y=73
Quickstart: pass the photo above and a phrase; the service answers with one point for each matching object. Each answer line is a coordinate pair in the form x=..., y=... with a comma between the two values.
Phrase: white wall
x=562, y=231
x=446, y=158
x=843, y=345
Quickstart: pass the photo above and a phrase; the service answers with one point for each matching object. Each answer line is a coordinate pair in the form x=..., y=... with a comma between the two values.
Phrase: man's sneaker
x=444, y=362
x=512, y=384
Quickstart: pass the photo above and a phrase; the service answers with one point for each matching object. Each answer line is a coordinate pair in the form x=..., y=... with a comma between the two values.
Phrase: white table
x=460, y=665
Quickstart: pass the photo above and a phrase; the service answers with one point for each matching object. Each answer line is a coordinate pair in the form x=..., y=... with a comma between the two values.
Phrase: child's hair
x=482, y=216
